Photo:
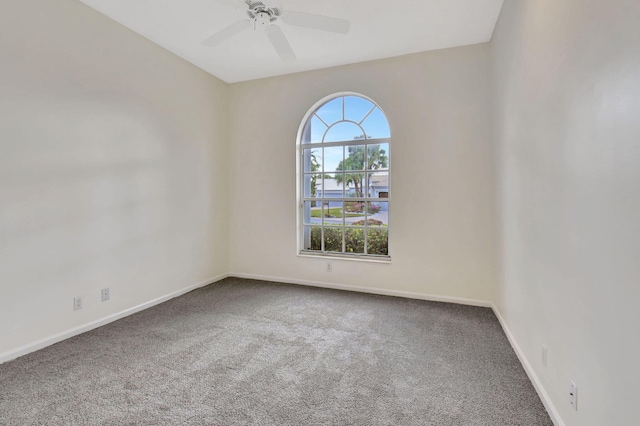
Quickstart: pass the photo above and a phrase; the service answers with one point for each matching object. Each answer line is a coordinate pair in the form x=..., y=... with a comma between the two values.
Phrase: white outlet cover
x=573, y=396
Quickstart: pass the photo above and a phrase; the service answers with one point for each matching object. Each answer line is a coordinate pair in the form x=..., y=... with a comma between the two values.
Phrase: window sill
x=356, y=258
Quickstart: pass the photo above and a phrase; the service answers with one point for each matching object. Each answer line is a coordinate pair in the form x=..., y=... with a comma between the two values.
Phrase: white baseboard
x=533, y=377
x=371, y=290
x=47, y=341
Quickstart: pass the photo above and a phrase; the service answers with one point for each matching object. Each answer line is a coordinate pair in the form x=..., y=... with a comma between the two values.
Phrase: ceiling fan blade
x=227, y=33
x=316, y=22
x=280, y=43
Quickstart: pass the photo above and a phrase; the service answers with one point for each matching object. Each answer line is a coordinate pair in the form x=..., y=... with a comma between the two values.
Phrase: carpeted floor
x=244, y=352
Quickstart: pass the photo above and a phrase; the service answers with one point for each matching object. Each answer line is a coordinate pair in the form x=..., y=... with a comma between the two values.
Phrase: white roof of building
x=379, y=181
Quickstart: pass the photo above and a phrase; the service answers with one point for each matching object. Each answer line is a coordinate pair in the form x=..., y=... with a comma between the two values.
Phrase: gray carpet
x=244, y=352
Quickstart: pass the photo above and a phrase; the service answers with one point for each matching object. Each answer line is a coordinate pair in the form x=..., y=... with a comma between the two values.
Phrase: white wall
x=442, y=218
x=113, y=172
x=123, y=166
x=567, y=91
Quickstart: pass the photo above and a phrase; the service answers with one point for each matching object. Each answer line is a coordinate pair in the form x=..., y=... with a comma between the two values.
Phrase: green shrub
x=377, y=239
x=358, y=207
x=373, y=208
x=354, y=240
x=370, y=222
x=353, y=207
x=333, y=239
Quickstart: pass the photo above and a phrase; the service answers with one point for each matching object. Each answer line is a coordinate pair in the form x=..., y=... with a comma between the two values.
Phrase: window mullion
x=344, y=187
x=323, y=122
x=349, y=143
x=367, y=116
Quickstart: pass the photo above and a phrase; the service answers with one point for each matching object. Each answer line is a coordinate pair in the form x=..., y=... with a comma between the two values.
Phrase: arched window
x=344, y=179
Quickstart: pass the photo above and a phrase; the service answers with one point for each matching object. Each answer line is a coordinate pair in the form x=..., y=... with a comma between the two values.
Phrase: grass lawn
x=334, y=212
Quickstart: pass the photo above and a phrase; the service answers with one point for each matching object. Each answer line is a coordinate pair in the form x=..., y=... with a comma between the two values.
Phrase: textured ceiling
x=379, y=29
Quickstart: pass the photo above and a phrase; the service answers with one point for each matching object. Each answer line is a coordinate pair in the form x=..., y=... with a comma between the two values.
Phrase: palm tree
x=354, y=166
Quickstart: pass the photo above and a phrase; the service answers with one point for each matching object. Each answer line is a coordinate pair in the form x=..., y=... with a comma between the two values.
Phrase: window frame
x=300, y=184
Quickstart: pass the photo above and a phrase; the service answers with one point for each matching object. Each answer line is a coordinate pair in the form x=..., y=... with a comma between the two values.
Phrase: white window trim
x=300, y=251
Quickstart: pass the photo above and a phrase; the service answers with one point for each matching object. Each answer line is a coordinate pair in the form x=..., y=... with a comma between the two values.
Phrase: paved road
x=382, y=216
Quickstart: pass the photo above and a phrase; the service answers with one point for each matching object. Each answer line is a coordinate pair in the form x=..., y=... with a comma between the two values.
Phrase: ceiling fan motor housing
x=262, y=20
x=261, y=15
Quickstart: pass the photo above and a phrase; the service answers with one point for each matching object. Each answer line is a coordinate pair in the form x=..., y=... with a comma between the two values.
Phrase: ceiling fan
x=263, y=17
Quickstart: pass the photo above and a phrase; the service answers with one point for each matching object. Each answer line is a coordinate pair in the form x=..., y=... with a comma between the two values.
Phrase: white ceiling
x=379, y=29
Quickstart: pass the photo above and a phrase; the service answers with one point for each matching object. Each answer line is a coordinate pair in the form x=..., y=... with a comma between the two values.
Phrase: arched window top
x=345, y=118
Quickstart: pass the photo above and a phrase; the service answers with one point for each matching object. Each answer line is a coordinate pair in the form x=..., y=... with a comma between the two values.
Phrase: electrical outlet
x=544, y=355
x=329, y=267
x=77, y=303
x=105, y=294
x=573, y=396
